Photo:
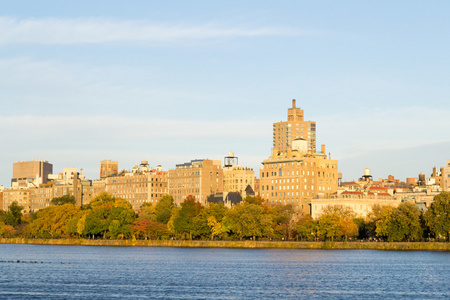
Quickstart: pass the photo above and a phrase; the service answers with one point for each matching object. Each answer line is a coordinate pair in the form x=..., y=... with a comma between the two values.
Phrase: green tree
x=184, y=223
x=307, y=228
x=437, y=216
x=66, y=199
x=401, y=223
x=147, y=212
x=249, y=220
x=207, y=223
x=376, y=214
x=14, y=214
x=282, y=217
x=164, y=208
x=328, y=226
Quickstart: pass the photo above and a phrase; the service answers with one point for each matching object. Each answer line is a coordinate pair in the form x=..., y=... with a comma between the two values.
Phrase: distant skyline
x=85, y=81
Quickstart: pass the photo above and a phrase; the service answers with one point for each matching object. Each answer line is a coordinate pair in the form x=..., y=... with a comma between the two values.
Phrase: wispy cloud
x=95, y=31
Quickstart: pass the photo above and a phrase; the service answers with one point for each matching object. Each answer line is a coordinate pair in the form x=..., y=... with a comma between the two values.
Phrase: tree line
x=109, y=217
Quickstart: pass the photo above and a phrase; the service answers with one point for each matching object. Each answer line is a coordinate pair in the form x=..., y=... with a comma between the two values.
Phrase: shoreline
x=402, y=246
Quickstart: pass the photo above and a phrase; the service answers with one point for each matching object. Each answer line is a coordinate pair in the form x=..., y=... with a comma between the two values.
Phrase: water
x=73, y=272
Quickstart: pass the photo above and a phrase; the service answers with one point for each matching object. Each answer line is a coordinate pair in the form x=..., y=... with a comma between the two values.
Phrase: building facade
x=199, y=178
x=30, y=173
x=285, y=132
x=108, y=168
x=296, y=177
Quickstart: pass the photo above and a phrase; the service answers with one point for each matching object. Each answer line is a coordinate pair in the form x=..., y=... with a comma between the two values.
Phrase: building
x=199, y=178
x=30, y=173
x=445, y=177
x=2, y=188
x=108, y=168
x=21, y=196
x=297, y=176
x=284, y=133
x=359, y=202
x=140, y=185
x=237, y=178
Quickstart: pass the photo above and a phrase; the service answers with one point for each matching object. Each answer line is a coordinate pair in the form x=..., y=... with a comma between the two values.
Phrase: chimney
x=323, y=149
x=434, y=172
x=293, y=103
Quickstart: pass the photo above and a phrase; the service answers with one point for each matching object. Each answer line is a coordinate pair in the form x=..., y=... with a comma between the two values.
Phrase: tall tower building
x=284, y=133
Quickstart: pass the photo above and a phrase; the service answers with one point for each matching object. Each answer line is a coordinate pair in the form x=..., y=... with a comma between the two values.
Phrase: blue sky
x=83, y=81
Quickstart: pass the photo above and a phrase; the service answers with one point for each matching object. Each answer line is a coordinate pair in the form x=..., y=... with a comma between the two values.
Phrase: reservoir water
x=81, y=272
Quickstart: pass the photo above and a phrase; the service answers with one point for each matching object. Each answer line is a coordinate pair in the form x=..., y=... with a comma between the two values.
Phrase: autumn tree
x=438, y=215
x=184, y=223
x=208, y=223
x=401, y=223
x=249, y=220
x=282, y=217
x=66, y=199
x=340, y=210
x=52, y=221
x=347, y=228
x=328, y=226
x=306, y=227
x=163, y=209
x=147, y=212
x=109, y=216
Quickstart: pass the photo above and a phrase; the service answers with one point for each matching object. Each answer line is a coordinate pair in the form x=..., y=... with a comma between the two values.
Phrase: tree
x=207, y=223
x=14, y=214
x=249, y=220
x=184, y=223
x=438, y=215
x=163, y=209
x=282, y=217
x=347, y=228
x=66, y=199
x=328, y=226
x=307, y=228
x=340, y=210
x=147, y=212
x=149, y=229
x=375, y=215
x=401, y=223
x=52, y=221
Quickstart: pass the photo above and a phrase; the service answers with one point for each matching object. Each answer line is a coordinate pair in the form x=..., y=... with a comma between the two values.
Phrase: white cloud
x=95, y=31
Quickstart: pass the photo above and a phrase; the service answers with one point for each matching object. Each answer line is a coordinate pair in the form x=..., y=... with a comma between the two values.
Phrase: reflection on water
x=73, y=272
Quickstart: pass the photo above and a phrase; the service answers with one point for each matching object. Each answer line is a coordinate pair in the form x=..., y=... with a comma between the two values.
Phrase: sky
x=173, y=81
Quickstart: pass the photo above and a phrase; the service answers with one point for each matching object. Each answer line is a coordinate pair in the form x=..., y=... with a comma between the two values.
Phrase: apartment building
x=30, y=173
x=200, y=178
x=297, y=176
x=285, y=132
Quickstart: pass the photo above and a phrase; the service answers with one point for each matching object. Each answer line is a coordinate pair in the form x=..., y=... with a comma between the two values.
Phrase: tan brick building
x=138, y=188
x=296, y=177
x=236, y=178
x=284, y=133
x=26, y=172
x=108, y=168
x=22, y=196
x=445, y=177
x=199, y=178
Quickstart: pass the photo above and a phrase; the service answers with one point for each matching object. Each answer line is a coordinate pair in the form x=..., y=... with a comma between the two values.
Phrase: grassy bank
x=235, y=244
